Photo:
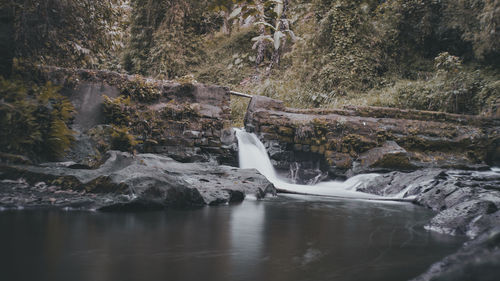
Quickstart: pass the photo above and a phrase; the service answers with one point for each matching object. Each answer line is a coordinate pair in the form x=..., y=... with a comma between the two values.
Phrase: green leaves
x=277, y=39
x=265, y=24
x=261, y=38
x=70, y=32
x=122, y=140
x=34, y=120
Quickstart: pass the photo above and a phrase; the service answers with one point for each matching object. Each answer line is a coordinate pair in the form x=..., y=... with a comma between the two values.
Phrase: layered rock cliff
x=186, y=121
x=355, y=140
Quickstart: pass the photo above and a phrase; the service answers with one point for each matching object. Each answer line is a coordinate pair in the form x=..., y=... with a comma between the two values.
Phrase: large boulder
x=388, y=157
x=460, y=219
x=125, y=180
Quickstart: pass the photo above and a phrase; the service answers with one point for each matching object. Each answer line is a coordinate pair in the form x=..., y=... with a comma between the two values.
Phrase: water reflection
x=247, y=235
x=287, y=238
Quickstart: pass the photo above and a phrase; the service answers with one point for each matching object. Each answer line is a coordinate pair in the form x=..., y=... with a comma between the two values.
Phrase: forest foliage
x=309, y=53
x=86, y=34
x=34, y=120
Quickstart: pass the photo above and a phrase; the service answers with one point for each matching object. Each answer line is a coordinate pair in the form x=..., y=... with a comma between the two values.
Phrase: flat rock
x=144, y=181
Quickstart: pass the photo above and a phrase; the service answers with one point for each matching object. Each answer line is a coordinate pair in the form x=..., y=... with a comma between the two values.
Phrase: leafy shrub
x=462, y=91
x=122, y=140
x=445, y=62
x=34, y=120
x=452, y=89
x=117, y=111
x=140, y=90
x=476, y=22
x=69, y=32
x=165, y=37
x=239, y=107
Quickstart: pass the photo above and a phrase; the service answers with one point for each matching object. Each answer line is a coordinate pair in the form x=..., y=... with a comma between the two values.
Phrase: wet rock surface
x=462, y=198
x=477, y=260
x=467, y=203
x=388, y=157
x=356, y=140
x=128, y=182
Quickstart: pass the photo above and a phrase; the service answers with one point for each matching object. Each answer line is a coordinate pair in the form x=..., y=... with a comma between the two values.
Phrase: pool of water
x=289, y=237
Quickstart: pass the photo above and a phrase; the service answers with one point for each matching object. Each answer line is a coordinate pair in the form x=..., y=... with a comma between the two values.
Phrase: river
x=289, y=237
x=339, y=235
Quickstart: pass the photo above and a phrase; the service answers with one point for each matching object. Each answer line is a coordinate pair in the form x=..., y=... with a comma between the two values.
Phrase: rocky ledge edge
x=127, y=182
x=466, y=202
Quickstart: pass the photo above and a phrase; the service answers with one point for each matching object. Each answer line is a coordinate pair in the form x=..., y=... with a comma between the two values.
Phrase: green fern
x=34, y=120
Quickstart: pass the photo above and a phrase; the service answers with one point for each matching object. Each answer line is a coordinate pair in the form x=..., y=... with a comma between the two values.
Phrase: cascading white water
x=253, y=155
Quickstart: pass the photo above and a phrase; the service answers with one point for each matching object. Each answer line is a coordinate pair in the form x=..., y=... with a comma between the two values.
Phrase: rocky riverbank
x=436, y=160
x=466, y=202
x=128, y=182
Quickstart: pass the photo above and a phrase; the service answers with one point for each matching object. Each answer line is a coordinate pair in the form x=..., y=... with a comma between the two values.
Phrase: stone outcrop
x=388, y=157
x=478, y=260
x=356, y=139
x=186, y=121
x=466, y=202
x=125, y=181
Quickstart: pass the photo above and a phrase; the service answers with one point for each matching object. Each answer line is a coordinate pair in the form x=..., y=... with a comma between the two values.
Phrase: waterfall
x=253, y=155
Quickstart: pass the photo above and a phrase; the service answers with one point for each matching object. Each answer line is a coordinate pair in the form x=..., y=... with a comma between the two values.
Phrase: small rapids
x=253, y=155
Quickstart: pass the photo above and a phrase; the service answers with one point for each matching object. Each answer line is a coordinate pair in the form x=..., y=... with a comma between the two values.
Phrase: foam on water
x=253, y=155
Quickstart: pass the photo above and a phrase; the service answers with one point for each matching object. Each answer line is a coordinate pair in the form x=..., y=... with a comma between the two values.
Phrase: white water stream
x=253, y=155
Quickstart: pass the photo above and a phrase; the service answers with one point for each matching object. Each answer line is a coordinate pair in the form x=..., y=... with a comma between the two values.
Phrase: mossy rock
x=104, y=184
x=389, y=156
x=354, y=144
x=286, y=131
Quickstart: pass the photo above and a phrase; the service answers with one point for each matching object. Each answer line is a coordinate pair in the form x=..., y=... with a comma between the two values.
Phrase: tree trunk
x=7, y=46
x=283, y=25
x=226, y=27
x=261, y=47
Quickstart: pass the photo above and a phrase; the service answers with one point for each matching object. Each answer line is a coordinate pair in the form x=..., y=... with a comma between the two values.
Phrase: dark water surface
x=284, y=238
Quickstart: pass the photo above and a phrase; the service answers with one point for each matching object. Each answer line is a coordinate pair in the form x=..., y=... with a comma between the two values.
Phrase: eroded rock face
x=460, y=218
x=188, y=122
x=125, y=181
x=371, y=137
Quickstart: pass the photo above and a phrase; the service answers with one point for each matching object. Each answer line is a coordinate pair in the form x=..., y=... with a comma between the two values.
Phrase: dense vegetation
x=86, y=34
x=384, y=53
x=423, y=54
x=34, y=120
